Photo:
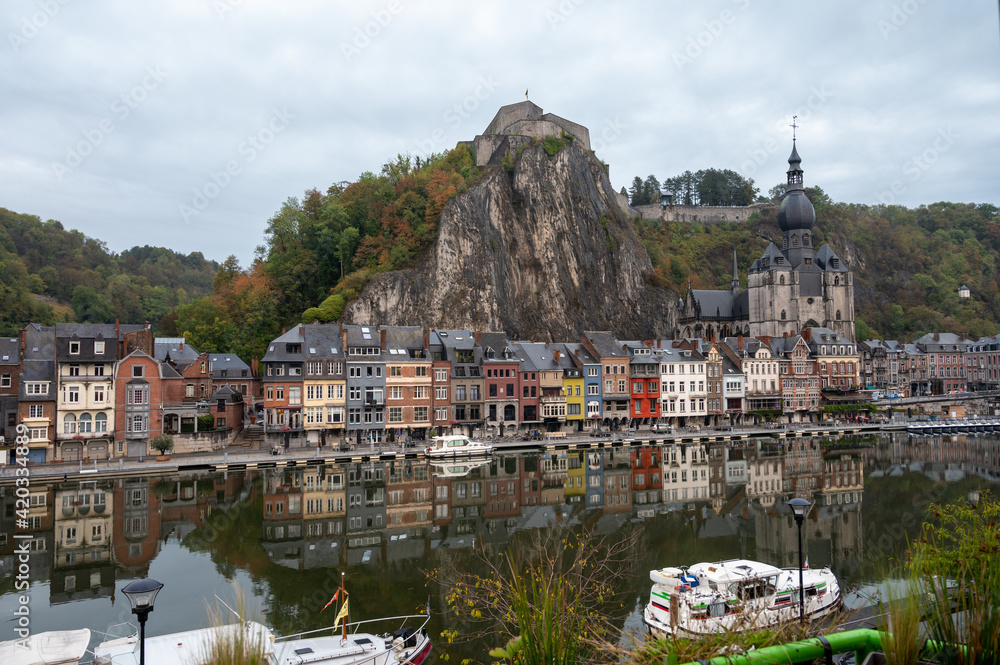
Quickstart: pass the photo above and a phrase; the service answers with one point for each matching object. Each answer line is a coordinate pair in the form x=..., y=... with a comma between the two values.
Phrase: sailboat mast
x=343, y=594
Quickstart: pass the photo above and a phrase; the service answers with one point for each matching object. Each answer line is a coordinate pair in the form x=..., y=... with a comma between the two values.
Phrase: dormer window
x=835, y=264
x=74, y=348
x=99, y=348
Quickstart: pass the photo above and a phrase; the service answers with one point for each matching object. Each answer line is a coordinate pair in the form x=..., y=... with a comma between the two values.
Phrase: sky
x=187, y=124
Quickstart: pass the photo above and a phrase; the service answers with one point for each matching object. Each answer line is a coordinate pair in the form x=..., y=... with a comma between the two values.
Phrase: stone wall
x=203, y=442
x=700, y=214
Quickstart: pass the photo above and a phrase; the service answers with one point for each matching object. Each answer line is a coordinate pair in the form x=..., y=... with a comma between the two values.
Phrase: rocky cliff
x=540, y=252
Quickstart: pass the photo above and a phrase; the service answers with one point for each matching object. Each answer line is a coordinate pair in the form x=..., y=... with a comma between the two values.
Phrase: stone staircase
x=250, y=438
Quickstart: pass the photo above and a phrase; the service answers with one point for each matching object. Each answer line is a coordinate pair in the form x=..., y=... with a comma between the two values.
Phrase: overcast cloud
x=186, y=124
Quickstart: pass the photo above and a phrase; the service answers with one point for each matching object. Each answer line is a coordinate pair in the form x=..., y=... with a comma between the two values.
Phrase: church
x=788, y=289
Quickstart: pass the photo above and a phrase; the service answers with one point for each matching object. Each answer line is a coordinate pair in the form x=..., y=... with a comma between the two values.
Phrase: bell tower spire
x=736, y=274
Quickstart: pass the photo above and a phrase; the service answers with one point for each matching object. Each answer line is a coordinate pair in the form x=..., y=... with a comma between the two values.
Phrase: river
x=281, y=538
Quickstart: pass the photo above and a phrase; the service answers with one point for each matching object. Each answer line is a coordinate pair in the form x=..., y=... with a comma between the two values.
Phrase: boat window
x=717, y=609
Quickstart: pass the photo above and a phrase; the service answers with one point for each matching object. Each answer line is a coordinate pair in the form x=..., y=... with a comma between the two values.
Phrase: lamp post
x=141, y=594
x=799, y=508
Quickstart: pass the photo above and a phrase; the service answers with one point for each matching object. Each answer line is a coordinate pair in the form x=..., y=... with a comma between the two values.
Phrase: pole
x=142, y=639
x=802, y=591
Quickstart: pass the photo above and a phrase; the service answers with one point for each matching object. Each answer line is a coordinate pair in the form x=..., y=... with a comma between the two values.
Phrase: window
x=74, y=369
x=395, y=392
x=35, y=411
x=440, y=375
x=138, y=395
x=395, y=414
x=138, y=371
x=41, y=388
x=99, y=348
x=38, y=433
x=101, y=423
x=74, y=348
x=99, y=394
x=420, y=414
x=441, y=393
x=73, y=395
x=420, y=392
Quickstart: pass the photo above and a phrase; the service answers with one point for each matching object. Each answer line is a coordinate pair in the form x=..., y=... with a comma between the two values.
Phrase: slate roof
x=721, y=305
x=180, y=351
x=824, y=259
x=321, y=342
x=10, y=350
x=277, y=350
x=606, y=344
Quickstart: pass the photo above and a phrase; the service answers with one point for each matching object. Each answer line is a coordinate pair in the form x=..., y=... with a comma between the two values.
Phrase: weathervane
x=793, y=126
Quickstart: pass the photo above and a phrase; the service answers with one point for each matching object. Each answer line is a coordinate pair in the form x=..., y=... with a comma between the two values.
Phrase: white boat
x=54, y=647
x=406, y=646
x=735, y=595
x=455, y=445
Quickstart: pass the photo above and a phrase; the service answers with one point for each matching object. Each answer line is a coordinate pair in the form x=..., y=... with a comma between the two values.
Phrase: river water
x=281, y=538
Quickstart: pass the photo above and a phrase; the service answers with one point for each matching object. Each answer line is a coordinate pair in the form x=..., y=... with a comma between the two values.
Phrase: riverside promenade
x=238, y=458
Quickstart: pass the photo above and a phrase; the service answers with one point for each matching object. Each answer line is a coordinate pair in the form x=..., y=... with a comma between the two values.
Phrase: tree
x=637, y=192
x=162, y=443
x=89, y=306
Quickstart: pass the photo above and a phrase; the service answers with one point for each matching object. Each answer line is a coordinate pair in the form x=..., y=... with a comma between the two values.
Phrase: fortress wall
x=699, y=214
x=581, y=133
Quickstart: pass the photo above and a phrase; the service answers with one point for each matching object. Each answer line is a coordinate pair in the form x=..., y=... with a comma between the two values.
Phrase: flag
x=342, y=614
x=332, y=600
x=807, y=563
x=525, y=93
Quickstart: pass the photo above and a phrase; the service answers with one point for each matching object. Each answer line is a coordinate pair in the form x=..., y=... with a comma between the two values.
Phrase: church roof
x=721, y=304
x=828, y=260
x=771, y=257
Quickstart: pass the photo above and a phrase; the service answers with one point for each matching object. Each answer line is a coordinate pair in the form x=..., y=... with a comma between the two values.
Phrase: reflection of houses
x=136, y=523
x=38, y=527
x=409, y=494
x=366, y=511
x=554, y=478
x=802, y=468
x=531, y=480
x=324, y=504
x=282, y=529
x=685, y=473
x=575, y=477
x=617, y=481
x=647, y=481
x=82, y=565
x=503, y=497
x=594, y=464
x=765, y=473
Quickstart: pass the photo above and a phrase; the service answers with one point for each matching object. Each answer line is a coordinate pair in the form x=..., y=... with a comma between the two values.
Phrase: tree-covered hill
x=45, y=267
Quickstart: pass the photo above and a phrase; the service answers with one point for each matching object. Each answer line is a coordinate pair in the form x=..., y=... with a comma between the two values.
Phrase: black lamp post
x=799, y=508
x=141, y=594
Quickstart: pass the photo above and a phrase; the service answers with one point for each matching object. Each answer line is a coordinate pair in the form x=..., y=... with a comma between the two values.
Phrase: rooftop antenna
x=794, y=126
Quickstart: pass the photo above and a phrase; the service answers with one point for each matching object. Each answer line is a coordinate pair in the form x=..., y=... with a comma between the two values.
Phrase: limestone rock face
x=542, y=253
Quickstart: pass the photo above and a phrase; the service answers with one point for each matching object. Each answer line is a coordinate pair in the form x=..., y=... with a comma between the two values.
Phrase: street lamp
x=799, y=508
x=141, y=594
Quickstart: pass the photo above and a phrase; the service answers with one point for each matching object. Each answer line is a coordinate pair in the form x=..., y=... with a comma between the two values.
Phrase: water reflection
x=292, y=531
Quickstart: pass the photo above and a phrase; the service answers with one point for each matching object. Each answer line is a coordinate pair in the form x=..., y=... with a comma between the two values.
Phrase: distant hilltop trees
x=707, y=187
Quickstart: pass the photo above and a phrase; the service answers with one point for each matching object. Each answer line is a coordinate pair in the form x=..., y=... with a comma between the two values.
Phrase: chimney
x=478, y=335
x=381, y=337
x=118, y=342
x=302, y=331
x=343, y=340
x=555, y=355
x=24, y=340
x=427, y=339
x=740, y=342
x=181, y=347
x=253, y=366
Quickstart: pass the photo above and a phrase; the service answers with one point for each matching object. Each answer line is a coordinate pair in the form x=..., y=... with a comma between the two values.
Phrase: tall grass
x=233, y=642
x=958, y=561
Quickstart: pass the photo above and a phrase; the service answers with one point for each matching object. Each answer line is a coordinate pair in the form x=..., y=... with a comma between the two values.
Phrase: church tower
x=797, y=286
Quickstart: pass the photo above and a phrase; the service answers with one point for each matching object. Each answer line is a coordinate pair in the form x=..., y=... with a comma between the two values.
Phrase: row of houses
x=365, y=385
x=99, y=391
x=935, y=364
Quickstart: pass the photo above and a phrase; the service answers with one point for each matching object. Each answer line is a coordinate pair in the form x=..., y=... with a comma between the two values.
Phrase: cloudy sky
x=186, y=124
